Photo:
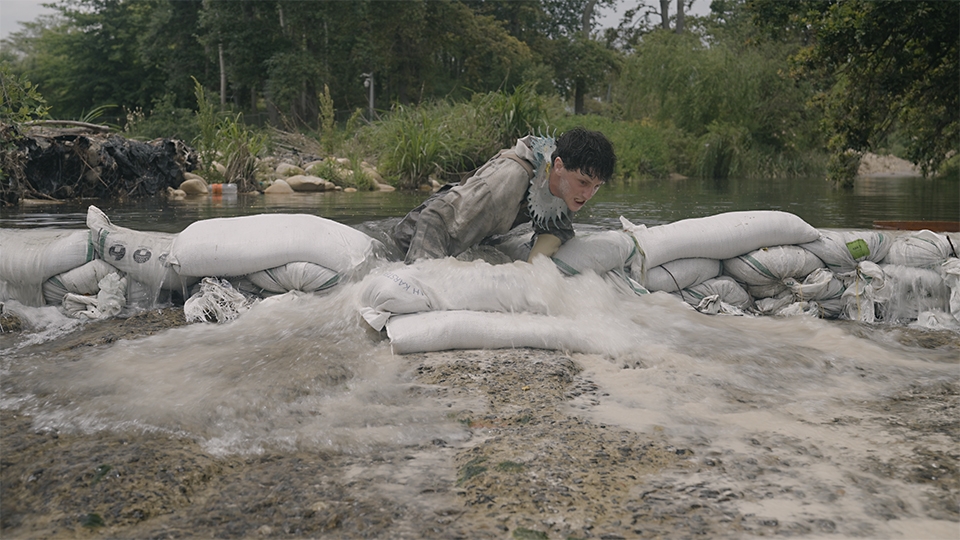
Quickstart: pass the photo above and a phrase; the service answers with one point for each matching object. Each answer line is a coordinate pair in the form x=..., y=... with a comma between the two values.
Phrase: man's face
x=574, y=187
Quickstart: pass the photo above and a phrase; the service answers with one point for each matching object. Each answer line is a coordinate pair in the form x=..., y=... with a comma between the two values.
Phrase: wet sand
x=530, y=467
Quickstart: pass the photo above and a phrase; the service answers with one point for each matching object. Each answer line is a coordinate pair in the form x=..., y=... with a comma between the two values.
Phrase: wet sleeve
x=484, y=205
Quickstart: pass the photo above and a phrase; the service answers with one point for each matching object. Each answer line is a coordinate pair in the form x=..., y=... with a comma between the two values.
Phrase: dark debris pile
x=67, y=163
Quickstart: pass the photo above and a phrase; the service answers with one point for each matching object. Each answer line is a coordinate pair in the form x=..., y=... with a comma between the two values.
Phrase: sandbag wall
x=786, y=267
x=761, y=263
x=98, y=272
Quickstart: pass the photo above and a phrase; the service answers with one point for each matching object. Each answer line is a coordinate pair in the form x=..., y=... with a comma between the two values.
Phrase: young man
x=538, y=180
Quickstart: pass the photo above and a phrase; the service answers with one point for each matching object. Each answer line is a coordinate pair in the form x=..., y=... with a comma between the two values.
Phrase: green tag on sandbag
x=858, y=249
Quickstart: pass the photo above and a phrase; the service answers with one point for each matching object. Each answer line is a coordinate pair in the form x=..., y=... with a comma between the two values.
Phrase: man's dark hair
x=586, y=151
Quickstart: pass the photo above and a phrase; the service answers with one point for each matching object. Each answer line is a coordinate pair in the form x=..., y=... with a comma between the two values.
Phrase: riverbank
x=532, y=464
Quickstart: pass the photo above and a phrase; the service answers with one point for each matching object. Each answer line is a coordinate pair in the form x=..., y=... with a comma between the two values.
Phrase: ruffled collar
x=545, y=209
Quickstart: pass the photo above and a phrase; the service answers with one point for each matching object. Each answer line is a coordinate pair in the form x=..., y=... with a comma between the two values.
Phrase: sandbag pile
x=786, y=267
x=756, y=263
x=95, y=273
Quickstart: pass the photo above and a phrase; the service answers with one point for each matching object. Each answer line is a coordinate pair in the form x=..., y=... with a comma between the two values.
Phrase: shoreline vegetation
x=282, y=162
x=756, y=88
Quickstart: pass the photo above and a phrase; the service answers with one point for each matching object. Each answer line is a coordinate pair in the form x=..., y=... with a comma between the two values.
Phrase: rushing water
x=804, y=400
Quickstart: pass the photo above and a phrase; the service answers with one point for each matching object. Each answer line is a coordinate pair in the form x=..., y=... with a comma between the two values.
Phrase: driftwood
x=74, y=123
x=84, y=161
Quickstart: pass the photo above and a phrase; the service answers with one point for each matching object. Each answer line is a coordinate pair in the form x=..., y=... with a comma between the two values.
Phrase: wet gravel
x=529, y=467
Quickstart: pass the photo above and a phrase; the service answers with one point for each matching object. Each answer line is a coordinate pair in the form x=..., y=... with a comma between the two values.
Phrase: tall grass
x=225, y=136
x=445, y=139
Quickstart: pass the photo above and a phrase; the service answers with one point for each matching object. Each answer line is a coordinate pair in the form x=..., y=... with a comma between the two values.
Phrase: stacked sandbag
x=766, y=271
x=680, y=257
x=28, y=257
x=597, y=252
x=721, y=294
x=275, y=253
x=720, y=236
x=82, y=280
x=109, y=300
x=141, y=256
x=818, y=294
x=682, y=274
x=852, y=256
x=452, y=285
x=921, y=269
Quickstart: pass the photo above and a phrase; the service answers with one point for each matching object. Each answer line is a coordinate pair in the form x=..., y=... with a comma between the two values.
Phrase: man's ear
x=558, y=163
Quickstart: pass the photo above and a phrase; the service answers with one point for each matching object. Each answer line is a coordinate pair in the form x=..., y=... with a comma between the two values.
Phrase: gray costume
x=492, y=201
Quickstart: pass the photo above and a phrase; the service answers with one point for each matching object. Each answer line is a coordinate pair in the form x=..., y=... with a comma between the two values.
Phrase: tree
x=880, y=68
x=89, y=57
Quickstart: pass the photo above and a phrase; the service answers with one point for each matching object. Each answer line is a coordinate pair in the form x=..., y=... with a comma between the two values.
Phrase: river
x=796, y=426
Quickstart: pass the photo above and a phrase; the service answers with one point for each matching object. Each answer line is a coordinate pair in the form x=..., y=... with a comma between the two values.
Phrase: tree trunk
x=580, y=85
x=679, y=16
x=665, y=14
x=223, y=78
x=587, y=19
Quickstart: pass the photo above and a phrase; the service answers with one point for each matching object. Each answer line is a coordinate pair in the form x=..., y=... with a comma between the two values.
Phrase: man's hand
x=546, y=244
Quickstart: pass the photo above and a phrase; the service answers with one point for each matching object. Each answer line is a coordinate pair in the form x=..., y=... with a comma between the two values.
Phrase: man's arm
x=546, y=244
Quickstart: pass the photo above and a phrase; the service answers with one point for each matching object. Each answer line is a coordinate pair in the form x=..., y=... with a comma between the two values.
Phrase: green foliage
x=21, y=101
x=644, y=149
x=165, y=120
x=513, y=115
x=722, y=151
x=444, y=139
x=225, y=136
x=328, y=126
x=420, y=145
x=91, y=56
x=950, y=168
x=877, y=73
x=207, y=123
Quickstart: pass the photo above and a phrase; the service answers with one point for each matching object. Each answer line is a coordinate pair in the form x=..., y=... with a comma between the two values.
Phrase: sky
x=12, y=12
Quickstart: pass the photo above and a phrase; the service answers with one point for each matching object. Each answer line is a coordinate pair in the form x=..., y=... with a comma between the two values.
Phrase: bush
x=164, y=121
x=644, y=149
x=445, y=139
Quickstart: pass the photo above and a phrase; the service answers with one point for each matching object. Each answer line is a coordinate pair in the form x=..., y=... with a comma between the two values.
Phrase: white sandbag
x=841, y=251
x=720, y=236
x=912, y=291
x=680, y=274
x=28, y=257
x=819, y=294
x=936, y=320
x=718, y=295
x=448, y=330
x=922, y=249
x=865, y=292
x=597, y=252
x=108, y=302
x=437, y=285
x=295, y=276
x=83, y=280
x=765, y=270
x=140, y=255
x=620, y=280
x=950, y=272
x=821, y=291
x=774, y=305
x=243, y=245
